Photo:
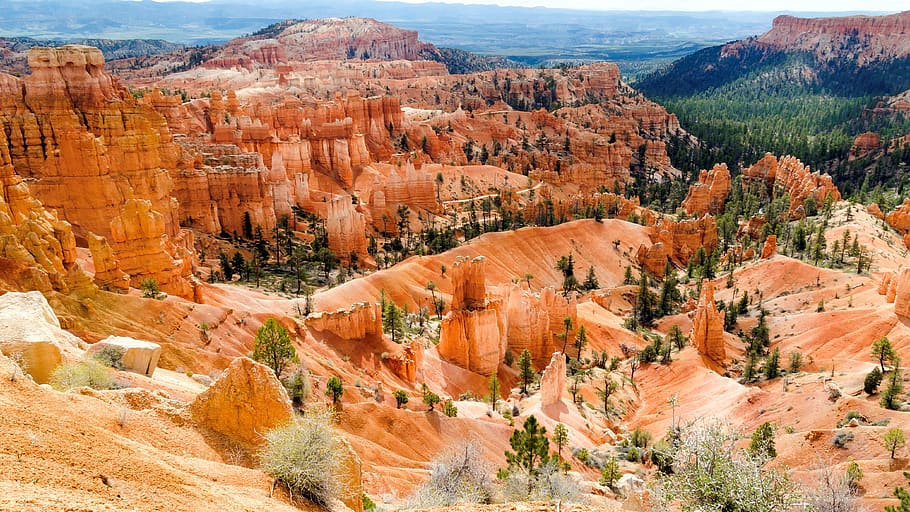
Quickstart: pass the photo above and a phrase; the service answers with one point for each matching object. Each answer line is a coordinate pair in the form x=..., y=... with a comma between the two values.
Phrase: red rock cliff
x=872, y=37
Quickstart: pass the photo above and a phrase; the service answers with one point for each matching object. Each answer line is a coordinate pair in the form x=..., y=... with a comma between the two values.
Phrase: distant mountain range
x=637, y=41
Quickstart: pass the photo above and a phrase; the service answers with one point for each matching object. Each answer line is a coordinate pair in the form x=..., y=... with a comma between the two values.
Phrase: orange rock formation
x=677, y=242
x=553, y=380
x=710, y=193
x=707, y=334
x=472, y=334
x=895, y=286
x=354, y=323
x=88, y=147
x=769, y=249
x=246, y=401
x=794, y=177
x=899, y=220
x=864, y=144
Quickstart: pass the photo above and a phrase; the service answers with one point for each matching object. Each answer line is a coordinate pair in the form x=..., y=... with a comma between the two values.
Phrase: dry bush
x=459, y=476
x=549, y=484
x=711, y=474
x=305, y=456
x=89, y=373
x=833, y=492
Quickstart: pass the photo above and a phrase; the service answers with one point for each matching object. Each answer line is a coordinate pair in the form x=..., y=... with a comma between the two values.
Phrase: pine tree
x=238, y=264
x=872, y=381
x=581, y=340
x=762, y=444
x=393, y=321
x=591, y=280
x=247, y=226
x=526, y=370
x=772, y=365
x=644, y=302
x=334, y=388
x=493, y=387
x=890, y=395
x=401, y=398
x=609, y=388
x=227, y=271
x=560, y=437
x=883, y=351
x=273, y=347
x=610, y=473
x=530, y=448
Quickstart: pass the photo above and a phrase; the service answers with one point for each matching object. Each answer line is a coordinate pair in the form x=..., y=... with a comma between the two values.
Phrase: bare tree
x=833, y=492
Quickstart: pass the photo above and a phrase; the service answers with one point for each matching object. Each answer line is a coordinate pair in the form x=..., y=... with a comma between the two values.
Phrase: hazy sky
x=702, y=5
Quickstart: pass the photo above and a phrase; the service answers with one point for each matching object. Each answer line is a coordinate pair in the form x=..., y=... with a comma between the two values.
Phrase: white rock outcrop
x=30, y=335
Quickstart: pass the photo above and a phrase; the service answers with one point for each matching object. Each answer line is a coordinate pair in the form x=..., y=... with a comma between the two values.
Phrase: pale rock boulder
x=553, y=380
x=31, y=335
x=630, y=484
x=138, y=356
x=244, y=403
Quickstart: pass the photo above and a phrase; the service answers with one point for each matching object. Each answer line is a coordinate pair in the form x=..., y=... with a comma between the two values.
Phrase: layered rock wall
x=869, y=37
x=356, y=322
x=87, y=148
x=31, y=234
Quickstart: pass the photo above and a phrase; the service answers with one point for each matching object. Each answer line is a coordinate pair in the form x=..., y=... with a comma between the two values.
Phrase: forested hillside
x=750, y=97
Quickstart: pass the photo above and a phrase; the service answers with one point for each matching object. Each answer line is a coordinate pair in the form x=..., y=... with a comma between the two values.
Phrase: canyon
x=356, y=181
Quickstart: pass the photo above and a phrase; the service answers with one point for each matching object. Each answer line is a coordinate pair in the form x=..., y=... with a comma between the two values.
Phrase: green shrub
x=640, y=438
x=110, y=356
x=89, y=373
x=304, y=455
x=582, y=455
x=368, y=504
x=872, y=381
x=150, y=289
